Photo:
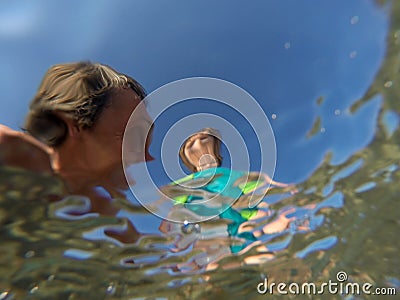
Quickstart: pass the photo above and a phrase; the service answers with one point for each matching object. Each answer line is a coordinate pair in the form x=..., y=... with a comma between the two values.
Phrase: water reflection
x=45, y=244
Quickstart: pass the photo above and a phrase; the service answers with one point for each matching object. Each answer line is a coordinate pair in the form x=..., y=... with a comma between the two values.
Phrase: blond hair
x=79, y=90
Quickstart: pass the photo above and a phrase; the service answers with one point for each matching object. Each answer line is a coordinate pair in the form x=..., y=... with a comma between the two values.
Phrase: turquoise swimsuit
x=221, y=182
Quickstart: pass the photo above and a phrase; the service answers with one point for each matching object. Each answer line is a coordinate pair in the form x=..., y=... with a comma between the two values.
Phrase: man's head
x=78, y=91
x=81, y=111
x=202, y=150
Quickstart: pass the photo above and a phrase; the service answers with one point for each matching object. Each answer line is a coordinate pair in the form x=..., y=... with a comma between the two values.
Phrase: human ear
x=73, y=129
x=47, y=127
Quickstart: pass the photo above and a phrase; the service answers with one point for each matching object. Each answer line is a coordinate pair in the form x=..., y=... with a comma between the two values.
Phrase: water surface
x=346, y=212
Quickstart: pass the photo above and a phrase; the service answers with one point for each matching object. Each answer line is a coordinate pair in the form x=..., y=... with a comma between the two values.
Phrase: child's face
x=200, y=151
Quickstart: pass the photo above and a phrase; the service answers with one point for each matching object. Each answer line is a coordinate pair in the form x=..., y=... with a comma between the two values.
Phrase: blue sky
x=285, y=53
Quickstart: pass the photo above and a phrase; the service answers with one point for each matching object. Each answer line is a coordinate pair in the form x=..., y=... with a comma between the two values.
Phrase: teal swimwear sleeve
x=248, y=213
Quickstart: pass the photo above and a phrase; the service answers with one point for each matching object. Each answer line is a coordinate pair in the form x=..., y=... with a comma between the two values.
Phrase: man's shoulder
x=18, y=149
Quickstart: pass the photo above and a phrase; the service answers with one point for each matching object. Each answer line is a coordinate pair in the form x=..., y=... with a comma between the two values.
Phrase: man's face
x=104, y=139
x=200, y=151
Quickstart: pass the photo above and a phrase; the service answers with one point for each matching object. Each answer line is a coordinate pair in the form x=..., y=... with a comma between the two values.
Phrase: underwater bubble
x=354, y=20
x=287, y=45
x=189, y=227
x=273, y=116
x=337, y=112
x=34, y=289
x=111, y=289
x=29, y=254
x=6, y=296
x=353, y=54
x=197, y=228
x=51, y=277
x=388, y=84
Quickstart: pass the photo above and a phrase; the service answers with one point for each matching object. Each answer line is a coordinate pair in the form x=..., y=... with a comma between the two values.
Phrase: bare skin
x=88, y=158
x=20, y=150
x=92, y=156
x=199, y=150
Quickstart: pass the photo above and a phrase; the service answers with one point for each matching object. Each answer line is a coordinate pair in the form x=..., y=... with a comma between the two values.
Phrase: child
x=217, y=193
x=212, y=190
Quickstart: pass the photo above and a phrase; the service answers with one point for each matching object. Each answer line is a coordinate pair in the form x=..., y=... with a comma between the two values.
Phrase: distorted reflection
x=219, y=197
x=346, y=169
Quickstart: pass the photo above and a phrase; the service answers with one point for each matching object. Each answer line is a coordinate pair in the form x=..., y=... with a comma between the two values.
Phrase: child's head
x=202, y=150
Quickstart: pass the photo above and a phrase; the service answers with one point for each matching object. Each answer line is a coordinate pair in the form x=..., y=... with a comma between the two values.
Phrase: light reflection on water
x=345, y=217
x=48, y=252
